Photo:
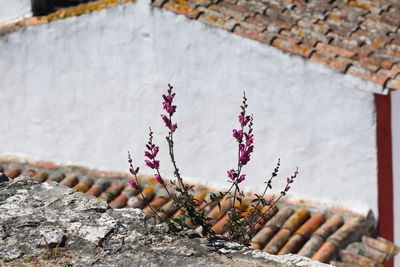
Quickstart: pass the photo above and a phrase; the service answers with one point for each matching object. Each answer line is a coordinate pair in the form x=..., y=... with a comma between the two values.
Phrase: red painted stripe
x=385, y=171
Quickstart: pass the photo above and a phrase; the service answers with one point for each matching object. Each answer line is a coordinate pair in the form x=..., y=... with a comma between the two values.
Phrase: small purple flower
x=249, y=139
x=148, y=155
x=149, y=163
x=168, y=98
x=155, y=150
x=155, y=164
x=244, y=158
x=238, y=135
x=174, y=127
x=171, y=109
x=245, y=154
x=231, y=174
x=166, y=120
x=158, y=178
x=133, y=184
x=241, y=178
x=244, y=120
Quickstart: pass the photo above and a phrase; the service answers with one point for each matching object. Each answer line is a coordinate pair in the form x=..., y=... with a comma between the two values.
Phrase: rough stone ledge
x=41, y=219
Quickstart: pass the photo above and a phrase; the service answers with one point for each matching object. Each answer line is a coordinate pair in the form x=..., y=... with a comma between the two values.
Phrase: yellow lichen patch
x=378, y=43
x=148, y=191
x=152, y=180
x=200, y=197
x=333, y=16
x=212, y=18
x=356, y=4
x=205, y=188
x=304, y=49
x=241, y=205
x=276, y=43
x=181, y=6
x=213, y=8
x=83, y=8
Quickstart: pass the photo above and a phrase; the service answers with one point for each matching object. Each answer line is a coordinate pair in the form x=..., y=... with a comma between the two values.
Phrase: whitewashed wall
x=395, y=99
x=12, y=10
x=85, y=89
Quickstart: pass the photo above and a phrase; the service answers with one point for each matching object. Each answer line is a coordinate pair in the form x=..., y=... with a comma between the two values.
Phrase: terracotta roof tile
x=43, y=164
x=320, y=235
x=363, y=31
x=363, y=249
x=329, y=227
x=155, y=204
x=167, y=210
x=381, y=245
x=70, y=180
x=112, y=192
x=349, y=257
x=84, y=184
x=57, y=176
x=41, y=176
x=326, y=252
x=296, y=227
x=341, y=236
x=13, y=172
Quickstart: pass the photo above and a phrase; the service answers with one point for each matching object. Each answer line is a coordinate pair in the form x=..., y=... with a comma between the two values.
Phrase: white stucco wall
x=85, y=89
x=395, y=98
x=12, y=10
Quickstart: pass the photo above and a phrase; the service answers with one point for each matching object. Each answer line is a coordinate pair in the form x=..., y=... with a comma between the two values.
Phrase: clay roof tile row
x=360, y=37
x=334, y=235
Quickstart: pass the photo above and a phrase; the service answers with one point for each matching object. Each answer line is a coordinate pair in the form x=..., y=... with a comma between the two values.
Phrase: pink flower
x=231, y=174
x=148, y=155
x=171, y=109
x=169, y=98
x=238, y=135
x=249, y=139
x=166, y=120
x=133, y=184
x=155, y=150
x=241, y=178
x=245, y=154
x=158, y=178
x=244, y=120
x=174, y=127
x=155, y=164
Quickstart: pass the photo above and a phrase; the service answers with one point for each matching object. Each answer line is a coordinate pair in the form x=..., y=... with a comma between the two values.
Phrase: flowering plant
x=244, y=219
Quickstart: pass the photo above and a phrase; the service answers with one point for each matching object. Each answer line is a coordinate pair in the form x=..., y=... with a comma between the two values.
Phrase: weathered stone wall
x=37, y=218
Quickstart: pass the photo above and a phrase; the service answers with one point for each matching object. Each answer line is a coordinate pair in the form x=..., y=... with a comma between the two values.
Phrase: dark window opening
x=45, y=7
